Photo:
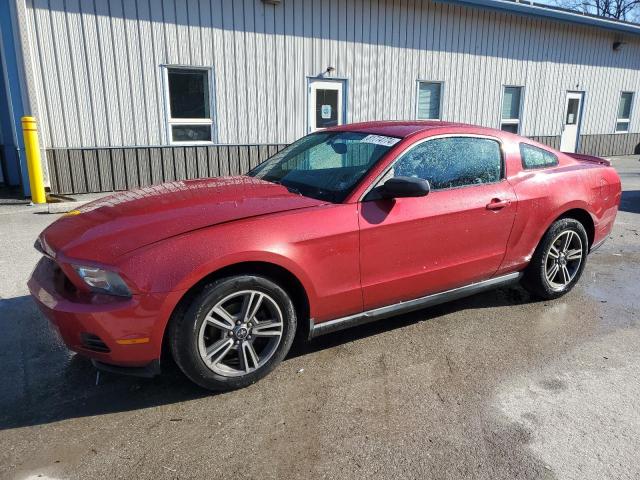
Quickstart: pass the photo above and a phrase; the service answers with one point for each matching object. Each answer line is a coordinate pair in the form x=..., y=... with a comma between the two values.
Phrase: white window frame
x=512, y=121
x=624, y=120
x=169, y=121
x=439, y=82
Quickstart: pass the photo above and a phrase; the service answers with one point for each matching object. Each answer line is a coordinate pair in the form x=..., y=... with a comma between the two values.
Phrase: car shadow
x=630, y=201
x=506, y=296
x=44, y=383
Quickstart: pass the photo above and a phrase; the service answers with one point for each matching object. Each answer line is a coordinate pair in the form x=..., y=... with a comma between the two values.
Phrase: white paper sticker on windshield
x=380, y=140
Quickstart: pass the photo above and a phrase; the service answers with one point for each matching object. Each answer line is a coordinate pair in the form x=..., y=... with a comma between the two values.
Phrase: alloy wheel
x=563, y=259
x=240, y=333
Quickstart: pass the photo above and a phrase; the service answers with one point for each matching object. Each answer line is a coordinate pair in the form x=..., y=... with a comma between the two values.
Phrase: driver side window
x=451, y=162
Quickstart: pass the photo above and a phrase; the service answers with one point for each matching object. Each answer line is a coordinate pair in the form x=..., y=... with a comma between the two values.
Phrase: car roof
x=402, y=129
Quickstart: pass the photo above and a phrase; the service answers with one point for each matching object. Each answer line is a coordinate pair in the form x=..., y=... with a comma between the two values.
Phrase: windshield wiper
x=289, y=188
x=293, y=190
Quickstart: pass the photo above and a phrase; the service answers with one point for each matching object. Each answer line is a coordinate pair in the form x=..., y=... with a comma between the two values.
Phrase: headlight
x=103, y=281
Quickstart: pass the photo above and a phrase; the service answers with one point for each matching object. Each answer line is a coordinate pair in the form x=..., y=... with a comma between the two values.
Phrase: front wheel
x=235, y=331
x=559, y=260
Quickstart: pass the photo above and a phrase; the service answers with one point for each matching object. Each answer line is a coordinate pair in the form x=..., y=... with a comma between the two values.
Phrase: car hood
x=105, y=229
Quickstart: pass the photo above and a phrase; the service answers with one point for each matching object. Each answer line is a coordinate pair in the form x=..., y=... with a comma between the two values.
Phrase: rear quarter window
x=534, y=157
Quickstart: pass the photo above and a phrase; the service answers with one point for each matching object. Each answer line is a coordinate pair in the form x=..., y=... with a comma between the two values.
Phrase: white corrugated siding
x=99, y=76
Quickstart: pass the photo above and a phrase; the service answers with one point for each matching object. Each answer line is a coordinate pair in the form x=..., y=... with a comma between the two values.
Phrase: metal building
x=135, y=92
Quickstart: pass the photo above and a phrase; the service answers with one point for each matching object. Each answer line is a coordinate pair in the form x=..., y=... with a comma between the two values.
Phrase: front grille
x=94, y=343
x=67, y=284
x=63, y=285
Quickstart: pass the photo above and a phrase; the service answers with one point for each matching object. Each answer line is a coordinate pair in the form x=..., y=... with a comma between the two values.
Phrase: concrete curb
x=71, y=203
x=57, y=205
x=64, y=207
x=44, y=208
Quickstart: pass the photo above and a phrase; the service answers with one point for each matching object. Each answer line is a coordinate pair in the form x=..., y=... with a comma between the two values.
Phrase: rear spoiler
x=589, y=158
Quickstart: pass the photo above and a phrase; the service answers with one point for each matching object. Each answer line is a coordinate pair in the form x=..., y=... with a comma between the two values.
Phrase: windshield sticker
x=380, y=140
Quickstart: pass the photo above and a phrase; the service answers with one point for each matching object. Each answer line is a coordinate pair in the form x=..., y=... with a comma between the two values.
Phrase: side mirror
x=401, y=187
x=339, y=147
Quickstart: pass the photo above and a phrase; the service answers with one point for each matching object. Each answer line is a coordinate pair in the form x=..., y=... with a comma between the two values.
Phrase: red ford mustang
x=342, y=227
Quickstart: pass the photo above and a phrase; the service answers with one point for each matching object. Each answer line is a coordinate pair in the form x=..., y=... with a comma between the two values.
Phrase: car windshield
x=325, y=165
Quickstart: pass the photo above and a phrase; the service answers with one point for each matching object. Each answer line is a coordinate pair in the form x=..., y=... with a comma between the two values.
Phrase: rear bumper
x=604, y=228
x=129, y=330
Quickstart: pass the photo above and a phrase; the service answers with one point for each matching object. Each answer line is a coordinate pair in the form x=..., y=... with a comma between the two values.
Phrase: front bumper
x=124, y=332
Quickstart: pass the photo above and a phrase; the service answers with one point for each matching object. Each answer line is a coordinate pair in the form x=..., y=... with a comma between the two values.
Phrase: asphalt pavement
x=494, y=386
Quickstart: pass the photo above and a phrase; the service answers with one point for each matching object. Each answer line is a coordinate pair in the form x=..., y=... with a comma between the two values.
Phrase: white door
x=572, y=118
x=325, y=104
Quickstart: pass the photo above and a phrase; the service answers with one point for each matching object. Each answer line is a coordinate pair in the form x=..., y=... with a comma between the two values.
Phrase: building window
x=429, y=100
x=511, y=105
x=189, y=102
x=624, y=112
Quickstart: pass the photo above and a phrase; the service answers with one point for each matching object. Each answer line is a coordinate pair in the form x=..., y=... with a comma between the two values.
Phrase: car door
x=456, y=235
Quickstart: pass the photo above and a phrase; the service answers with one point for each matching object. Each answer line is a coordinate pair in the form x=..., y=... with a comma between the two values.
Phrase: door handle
x=497, y=204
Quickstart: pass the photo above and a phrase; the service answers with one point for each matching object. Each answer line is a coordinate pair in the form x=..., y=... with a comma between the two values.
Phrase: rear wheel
x=235, y=332
x=559, y=260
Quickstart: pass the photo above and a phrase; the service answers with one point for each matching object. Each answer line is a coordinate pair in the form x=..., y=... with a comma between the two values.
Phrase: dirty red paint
x=348, y=257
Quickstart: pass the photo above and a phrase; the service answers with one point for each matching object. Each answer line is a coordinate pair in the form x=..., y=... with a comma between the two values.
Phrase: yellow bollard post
x=34, y=165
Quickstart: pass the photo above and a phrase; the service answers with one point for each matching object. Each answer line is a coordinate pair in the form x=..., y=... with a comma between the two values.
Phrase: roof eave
x=540, y=11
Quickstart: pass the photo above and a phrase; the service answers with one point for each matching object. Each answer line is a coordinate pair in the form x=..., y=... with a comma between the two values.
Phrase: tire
x=554, y=254
x=219, y=345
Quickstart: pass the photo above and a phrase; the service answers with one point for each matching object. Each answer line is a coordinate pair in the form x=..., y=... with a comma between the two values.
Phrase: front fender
x=319, y=247
x=269, y=257
x=179, y=263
